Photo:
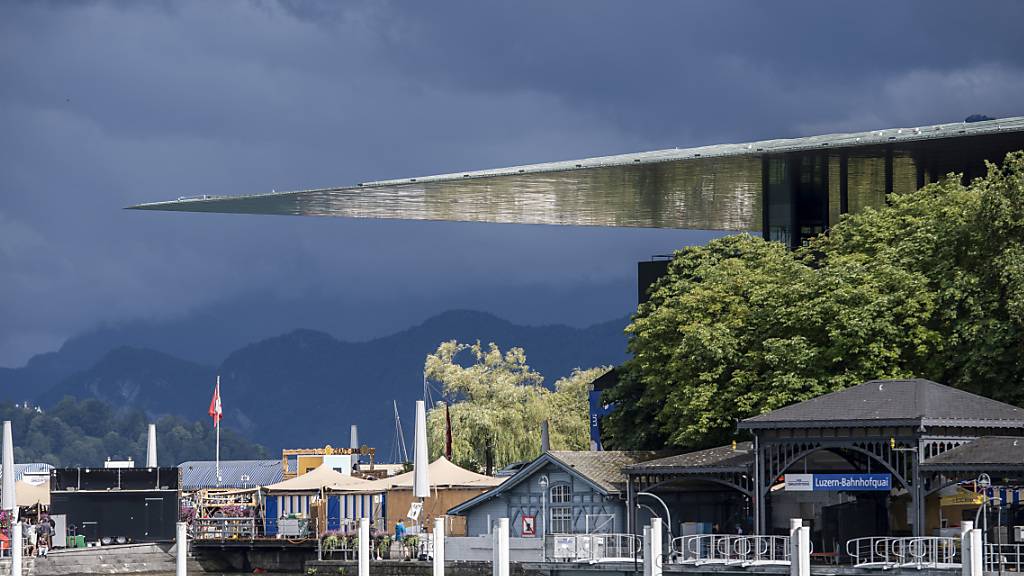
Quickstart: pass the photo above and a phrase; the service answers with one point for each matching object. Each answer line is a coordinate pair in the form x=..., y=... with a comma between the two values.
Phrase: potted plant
x=330, y=543
x=412, y=547
x=384, y=547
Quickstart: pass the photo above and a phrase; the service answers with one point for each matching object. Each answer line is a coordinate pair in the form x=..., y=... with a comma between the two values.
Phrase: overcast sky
x=103, y=105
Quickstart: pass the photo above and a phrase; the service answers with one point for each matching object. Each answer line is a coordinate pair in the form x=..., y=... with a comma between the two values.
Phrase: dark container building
x=122, y=504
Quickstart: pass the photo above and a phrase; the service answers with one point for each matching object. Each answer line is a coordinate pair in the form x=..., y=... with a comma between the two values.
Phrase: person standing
x=44, y=531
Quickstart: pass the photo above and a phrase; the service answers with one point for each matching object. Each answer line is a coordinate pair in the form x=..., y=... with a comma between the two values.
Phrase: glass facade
x=805, y=194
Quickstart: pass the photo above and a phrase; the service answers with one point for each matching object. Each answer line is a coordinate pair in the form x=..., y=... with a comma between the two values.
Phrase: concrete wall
x=478, y=548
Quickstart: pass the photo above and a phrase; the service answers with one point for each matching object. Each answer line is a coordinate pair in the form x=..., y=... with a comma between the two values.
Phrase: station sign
x=837, y=482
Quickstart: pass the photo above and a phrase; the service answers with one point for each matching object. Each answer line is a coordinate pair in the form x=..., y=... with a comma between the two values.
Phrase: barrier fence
x=731, y=549
x=595, y=548
x=1004, y=557
x=905, y=552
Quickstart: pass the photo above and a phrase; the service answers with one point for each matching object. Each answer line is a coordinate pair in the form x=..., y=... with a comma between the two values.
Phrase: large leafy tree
x=497, y=404
x=930, y=285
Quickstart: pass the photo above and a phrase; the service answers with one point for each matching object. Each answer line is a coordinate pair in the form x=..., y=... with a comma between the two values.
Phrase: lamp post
x=543, y=483
x=668, y=515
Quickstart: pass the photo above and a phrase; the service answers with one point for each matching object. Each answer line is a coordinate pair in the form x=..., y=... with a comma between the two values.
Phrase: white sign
x=414, y=510
x=799, y=482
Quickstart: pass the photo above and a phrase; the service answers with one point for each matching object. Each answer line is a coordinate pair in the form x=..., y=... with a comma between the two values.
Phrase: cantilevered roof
x=893, y=403
x=709, y=187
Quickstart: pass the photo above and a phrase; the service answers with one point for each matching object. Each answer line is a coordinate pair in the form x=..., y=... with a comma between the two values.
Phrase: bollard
x=799, y=548
x=966, y=527
x=656, y=536
x=17, y=547
x=971, y=550
x=181, y=553
x=648, y=563
x=364, y=547
x=439, y=546
x=500, y=551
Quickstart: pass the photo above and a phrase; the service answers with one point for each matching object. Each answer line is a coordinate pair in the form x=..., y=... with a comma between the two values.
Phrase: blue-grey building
x=561, y=492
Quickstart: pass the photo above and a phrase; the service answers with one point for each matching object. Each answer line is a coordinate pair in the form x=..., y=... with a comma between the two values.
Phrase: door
x=154, y=516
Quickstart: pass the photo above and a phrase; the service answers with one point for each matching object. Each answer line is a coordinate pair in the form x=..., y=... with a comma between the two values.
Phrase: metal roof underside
x=709, y=188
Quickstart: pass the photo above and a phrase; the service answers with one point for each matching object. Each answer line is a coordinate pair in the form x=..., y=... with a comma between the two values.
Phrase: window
x=561, y=516
x=561, y=494
x=561, y=520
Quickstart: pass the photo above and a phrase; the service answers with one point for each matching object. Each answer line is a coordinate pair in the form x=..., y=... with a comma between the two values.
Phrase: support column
x=917, y=494
x=759, y=504
x=181, y=548
x=17, y=547
x=439, y=546
x=500, y=549
x=657, y=533
x=799, y=548
x=364, y=547
x=648, y=557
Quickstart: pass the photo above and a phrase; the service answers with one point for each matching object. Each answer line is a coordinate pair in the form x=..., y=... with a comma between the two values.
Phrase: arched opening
x=838, y=514
x=699, y=504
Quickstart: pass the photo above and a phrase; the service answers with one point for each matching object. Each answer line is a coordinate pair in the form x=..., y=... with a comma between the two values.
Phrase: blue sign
x=597, y=411
x=837, y=482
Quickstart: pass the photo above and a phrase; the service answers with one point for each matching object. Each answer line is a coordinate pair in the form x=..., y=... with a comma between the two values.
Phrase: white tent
x=442, y=473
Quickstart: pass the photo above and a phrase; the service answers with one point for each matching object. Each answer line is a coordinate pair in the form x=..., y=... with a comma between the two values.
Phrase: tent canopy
x=315, y=480
x=29, y=494
x=443, y=474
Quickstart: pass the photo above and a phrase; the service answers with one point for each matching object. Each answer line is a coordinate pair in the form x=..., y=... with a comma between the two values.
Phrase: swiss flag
x=215, y=408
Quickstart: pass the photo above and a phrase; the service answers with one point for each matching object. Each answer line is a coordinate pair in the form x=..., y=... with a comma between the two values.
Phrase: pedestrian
x=400, y=531
x=44, y=531
x=28, y=531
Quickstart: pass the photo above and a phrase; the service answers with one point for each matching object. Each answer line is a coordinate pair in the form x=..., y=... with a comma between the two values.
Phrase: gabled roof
x=894, y=403
x=316, y=479
x=198, y=474
x=718, y=459
x=985, y=453
x=443, y=473
x=602, y=470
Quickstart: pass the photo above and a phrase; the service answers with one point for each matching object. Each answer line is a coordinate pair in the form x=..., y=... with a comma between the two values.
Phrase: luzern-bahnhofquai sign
x=837, y=482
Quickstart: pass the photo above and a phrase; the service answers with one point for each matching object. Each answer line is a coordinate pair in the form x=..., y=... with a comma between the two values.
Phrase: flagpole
x=216, y=424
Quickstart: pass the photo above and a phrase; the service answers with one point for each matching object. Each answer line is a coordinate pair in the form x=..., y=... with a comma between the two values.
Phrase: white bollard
x=181, y=555
x=500, y=551
x=656, y=536
x=799, y=548
x=966, y=527
x=17, y=547
x=439, y=546
x=977, y=552
x=364, y=547
x=648, y=563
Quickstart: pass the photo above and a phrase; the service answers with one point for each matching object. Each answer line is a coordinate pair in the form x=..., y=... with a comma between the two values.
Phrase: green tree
x=930, y=285
x=499, y=403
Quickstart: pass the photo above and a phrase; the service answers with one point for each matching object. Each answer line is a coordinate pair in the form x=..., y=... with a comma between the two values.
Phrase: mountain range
x=302, y=388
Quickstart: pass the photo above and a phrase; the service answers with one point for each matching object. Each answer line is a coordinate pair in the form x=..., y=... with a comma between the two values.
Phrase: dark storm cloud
x=107, y=104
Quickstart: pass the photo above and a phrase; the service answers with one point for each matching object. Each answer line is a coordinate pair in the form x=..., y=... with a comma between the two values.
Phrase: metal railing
x=731, y=549
x=1004, y=558
x=225, y=528
x=596, y=548
x=905, y=552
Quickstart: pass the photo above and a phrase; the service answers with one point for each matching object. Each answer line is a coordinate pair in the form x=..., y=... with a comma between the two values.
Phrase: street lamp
x=543, y=483
x=668, y=515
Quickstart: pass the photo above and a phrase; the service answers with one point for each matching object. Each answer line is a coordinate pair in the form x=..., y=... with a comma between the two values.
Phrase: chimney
x=545, y=438
x=354, y=443
x=151, y=448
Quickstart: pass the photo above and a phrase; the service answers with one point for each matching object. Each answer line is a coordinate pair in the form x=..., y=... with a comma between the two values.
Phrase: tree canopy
x=497, y=404
x=87, y=432
x=930, y=285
